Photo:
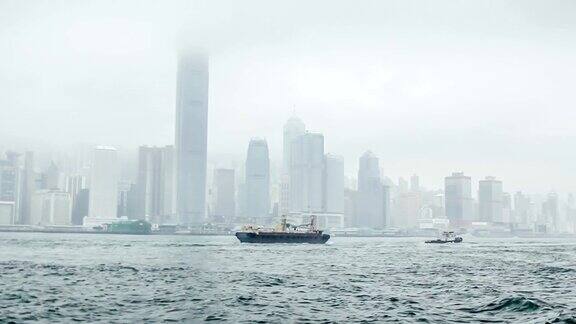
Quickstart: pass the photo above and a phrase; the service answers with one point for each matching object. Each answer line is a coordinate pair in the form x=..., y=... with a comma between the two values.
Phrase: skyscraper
x=28, y=188
x=156, y=189
x=414, y=183
x=191, y=136
x=51, y=207
x=103, y=202
x=307, y=173
x=490, y=200
x=550, y=212
x=458, y=198
x=225, y=202
x=521, y=208
x=293, y=129
x=333, y=184
x=10, y=186
x=372, y=205
x=258, y=181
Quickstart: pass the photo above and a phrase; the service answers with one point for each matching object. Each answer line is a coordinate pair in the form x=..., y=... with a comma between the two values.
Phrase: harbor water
x=129, y=278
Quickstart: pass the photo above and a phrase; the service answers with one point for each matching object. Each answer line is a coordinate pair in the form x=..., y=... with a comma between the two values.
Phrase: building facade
x=459, y=204
x=307, y=173
x=258, y=181
x=191, y=136
x=103, y=199
x=490, y=200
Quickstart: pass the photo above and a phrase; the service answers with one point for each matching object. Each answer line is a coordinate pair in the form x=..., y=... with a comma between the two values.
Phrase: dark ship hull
x=282, y=237
x=440, y=241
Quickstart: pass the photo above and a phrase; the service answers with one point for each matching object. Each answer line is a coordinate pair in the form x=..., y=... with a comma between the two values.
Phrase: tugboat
x=284, y=233
x=447, y=237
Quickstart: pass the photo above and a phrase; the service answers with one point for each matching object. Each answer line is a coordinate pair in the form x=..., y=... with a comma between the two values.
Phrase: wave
x=511, y=304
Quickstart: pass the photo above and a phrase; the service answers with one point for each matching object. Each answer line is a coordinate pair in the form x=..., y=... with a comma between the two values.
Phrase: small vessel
x=284, y=233
x=447, y=237
x=141, y=227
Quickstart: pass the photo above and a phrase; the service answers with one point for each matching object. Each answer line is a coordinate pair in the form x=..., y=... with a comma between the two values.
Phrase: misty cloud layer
x=431, y=87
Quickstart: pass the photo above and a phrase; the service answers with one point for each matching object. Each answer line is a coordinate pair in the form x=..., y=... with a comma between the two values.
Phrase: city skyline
x=367, y=89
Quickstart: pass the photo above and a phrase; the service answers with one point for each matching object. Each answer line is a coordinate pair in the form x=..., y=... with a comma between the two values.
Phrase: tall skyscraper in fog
x=333, y=184
x=9, y=189
x=28, y=188
x=458, y=198
x=103, y=201
x=372, y=196
x=191, y=136
x=224, y=187
x=156, y=189
x=293, y=129
x=490, y=200
x=307, y=173
x=258, y=181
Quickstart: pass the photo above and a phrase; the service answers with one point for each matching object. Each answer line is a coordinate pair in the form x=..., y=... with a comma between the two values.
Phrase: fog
x=430, y=87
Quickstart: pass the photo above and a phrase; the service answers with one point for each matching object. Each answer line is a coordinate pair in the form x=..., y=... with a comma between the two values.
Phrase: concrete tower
x=191, y=136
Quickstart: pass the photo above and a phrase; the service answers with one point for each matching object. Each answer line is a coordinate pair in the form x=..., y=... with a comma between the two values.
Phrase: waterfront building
x=28, y=188
x=225, y=200
x=490, y=205
x=10, y=186
x=155, y=184
x=333, y=184
x=191, y=136
x=458, y=199
x=550, y=212
x=521, y=208
x=307, y=173
x=373, y=197
x=258, y=181
x=414, y=183
x=293, y=129
x=51, y=207
x=103, y=197
x=7, y=213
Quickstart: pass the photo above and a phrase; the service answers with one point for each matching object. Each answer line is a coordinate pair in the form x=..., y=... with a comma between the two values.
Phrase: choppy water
x=116, y=278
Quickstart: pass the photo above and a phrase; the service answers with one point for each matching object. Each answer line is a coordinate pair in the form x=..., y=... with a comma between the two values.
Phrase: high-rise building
x=28, y=188
x=191, y=136
x=333, y=184
x=407, y=209
x=258, y=181
x=414, y=183
x=51, y=207
x=402, y=185
x=10, y=186
x=371, y=202
x=293, y=129
x=80, y=206
x=156, y=185
x=7, y=213
x=225, y=202
x=490, y=200
x=307, y=173
x=103, y=201
x=53, y=177
x=521, y=208
x=458, y=199
x=550, y=212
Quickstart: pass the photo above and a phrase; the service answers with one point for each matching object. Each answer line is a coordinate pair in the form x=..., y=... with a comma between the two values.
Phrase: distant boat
x=447, y=237
x=284, y=233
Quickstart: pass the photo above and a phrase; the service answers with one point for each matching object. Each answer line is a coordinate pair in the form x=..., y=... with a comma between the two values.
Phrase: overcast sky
x=486, y=87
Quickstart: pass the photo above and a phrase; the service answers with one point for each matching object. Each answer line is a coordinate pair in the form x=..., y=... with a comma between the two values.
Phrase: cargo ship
x=447, y=237
x=284, y=233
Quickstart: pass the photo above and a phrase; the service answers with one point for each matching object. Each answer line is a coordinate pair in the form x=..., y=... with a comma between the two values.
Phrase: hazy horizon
x=483, y=87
